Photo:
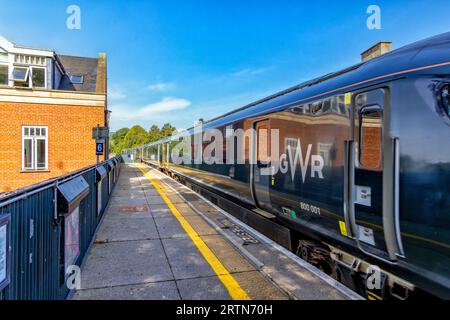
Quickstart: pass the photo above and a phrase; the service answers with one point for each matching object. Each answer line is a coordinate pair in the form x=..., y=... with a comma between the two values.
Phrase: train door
x=370, y=185
x=261, y=158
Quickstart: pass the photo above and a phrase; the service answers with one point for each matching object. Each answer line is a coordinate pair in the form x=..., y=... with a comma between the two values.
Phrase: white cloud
x=161, y=86
x=116, y=94
x=148, y=112
x=250, y=72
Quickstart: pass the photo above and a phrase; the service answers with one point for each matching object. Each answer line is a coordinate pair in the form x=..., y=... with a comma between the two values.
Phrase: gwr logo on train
x=213, y=153
x=293, y=158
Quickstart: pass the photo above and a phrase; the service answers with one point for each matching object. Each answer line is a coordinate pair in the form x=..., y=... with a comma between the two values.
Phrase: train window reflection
x=445, y=95
x=290, y=145
x=325, y=151
x=316, y=108
x=326, y=105
x=263, y=144
x=371, y=131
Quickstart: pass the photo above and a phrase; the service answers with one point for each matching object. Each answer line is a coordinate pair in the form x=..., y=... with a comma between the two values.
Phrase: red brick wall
x=70, y=143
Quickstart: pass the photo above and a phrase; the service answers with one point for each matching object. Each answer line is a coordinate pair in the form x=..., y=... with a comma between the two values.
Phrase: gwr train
x=379, y=132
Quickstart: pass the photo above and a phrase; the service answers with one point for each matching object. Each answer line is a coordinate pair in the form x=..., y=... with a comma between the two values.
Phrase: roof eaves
x=32, y=48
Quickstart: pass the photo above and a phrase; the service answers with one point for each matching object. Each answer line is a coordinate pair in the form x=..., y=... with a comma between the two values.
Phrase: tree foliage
x=116, y=140
x=136, y=136
x=167, y=130
x=154, y=133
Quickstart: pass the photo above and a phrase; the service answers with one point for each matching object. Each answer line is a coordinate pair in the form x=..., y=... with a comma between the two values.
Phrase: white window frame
x=31, y=77
x=29, y=60
x=34, y=148
x=5, y=54
x=7, y=73
x=27, y=75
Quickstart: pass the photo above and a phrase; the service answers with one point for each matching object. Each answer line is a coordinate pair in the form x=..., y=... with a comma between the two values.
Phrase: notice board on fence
x=72, y=238
x=4, y=250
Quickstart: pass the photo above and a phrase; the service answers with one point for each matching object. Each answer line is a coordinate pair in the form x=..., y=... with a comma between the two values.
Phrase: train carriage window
x=317, y=108
x=326, y=105
x=263, y=144
x=342, y=108
x=370, y=137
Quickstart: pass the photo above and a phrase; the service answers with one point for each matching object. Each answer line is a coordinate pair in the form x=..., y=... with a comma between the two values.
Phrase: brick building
x=49, y=104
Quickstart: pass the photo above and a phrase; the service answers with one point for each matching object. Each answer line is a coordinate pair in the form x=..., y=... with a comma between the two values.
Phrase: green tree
x=116, y=139
x=136, y=137
x=167, y=130
x=154, y=133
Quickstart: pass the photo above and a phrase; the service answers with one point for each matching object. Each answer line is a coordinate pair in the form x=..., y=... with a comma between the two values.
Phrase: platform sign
x=4, y=250
x=99, y=148
x=100, y=133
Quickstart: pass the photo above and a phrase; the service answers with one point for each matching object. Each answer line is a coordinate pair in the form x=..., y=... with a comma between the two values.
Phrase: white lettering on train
x=208, y=148
x=317, y=162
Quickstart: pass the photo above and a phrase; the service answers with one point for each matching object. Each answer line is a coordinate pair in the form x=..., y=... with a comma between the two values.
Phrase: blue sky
x=178, y=61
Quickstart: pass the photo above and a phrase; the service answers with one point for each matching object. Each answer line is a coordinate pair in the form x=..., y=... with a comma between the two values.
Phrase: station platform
x=161, y=240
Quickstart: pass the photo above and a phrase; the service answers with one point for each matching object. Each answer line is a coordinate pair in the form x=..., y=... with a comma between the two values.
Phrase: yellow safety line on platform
x=233, y=287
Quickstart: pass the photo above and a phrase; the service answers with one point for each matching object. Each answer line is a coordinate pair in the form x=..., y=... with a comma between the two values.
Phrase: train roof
x=416, y=57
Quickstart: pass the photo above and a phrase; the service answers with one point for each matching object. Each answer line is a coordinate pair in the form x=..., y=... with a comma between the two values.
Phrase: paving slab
x=168, y=227
x=124, y=202
x=166, y=290
x=127, y=193
x=152, y=200
x=151, y=192
x=123, y=228
x=160, y=210
x=125, y=263
x=185, y=260
x=209, y=288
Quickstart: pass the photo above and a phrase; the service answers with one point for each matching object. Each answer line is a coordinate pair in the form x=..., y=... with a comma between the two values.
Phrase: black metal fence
x=48, y=227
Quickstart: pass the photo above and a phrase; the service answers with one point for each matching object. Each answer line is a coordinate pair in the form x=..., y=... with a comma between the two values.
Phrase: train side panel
x=424, y=132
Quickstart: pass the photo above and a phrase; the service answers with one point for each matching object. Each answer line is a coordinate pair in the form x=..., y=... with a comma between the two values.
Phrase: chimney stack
x=377, y=50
